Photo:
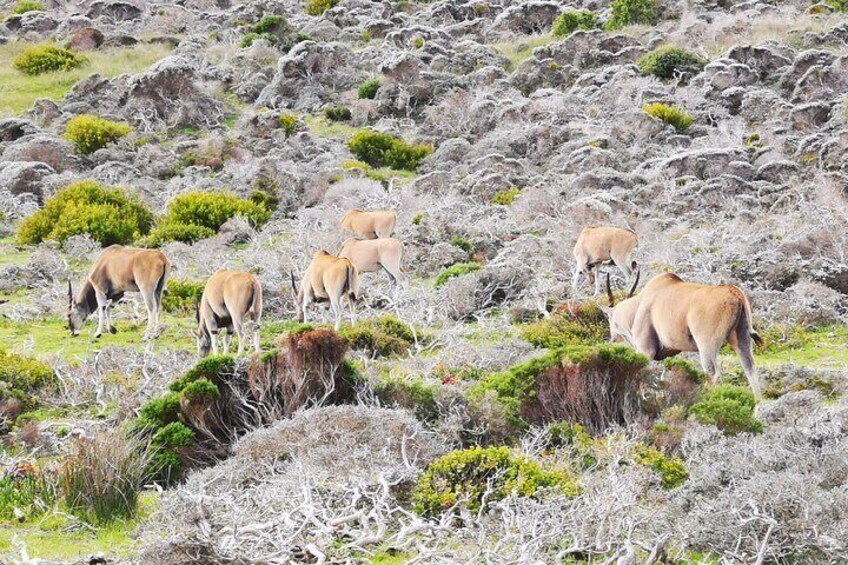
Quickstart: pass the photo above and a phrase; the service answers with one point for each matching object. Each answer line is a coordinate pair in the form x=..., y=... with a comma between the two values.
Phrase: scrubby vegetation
x=318, y=7
x=572, y=20
x=670, y=61
x=669, y=114
x=457, y=270
x=415, y=395
x=630, y=12
x=25, y=493
x=337, y=113
x=108, y=215
x=729, y=408
x=368, y=89
x=90, y=133
x=39, y=59
x=182, y=296
x=22, y=379
x=383, y=150
x=24, y=6
x=572, y=323
x=381, y=337
x=506, y=197
x=289, y=123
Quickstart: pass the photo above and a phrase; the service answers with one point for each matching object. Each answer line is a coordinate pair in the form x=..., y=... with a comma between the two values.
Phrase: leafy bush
x=672, y=470
x=90, y=133
x=469, y=475
x=23, y=378
x=560, y=435
x=46, y=58
x=669, y=61
x=107, y=215
x=289, y=123
x=210, y=368
x=270, y=28
x=318, y=7
x=729, y=408
x=463, y=243
x=24, y=6
x=269, y=24
x=25, y=491
x=337, y=113
x=103, y=476
x=383, y=150
x=182, y=296
x=506, y=196
x=457, y=270
x=380, y=337
x=669, y=114
x=368, y=89
x=160, y=412
x=630, y=12
x=414, y=395
x=166, y=462
x=185, y=233
x=574, y=323
x=572, y=20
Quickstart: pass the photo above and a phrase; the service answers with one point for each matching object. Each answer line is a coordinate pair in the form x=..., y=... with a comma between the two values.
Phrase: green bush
x=107, y=215
x=466, y=476
x=160, y=412
x=463, y=243
x=270, y=24
x=380, y=337
x=572, y=20
x=24, y=6
x=506, y=197
x=669, y=114
x=318, y=7
x=289, y=123
x=23, y=378
x=166, y=462
x=383, y=150
x=186, y=233
x=562, y=435
x=337, y=113
x=672, y=470
x=90, y=133
x=27, y=491
x=456, y=270
x=729, y=408
x=669, y=61
x=368, y=89
x=414, y=395
x=46, y=58
x=182, y=296
x=202, y=391
x=630, y=12
x=209, y=368
x=572, y=324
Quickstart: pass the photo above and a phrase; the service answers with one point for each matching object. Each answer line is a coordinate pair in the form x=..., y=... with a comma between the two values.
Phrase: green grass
x=322, y=127
x=55, y=538
x=518, y=51
x=379, y=174
x=822, y=348
x=18, y=91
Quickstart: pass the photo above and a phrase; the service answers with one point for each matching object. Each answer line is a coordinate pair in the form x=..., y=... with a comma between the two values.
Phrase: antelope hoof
x=97, y=335
x=113, y=330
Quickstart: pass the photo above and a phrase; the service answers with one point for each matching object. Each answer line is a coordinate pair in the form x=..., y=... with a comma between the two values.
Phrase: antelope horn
x=293, y=283
x=635, y=283
x=609, y=292
x=70, y=293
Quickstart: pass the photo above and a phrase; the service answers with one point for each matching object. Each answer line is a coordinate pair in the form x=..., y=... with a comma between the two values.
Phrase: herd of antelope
x=667, y=317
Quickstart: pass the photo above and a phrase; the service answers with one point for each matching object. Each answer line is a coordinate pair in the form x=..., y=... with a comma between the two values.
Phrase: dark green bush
x=630, y=12
x=47, y=58
x=456, y=270
x=729, y=408
x=380, y=337
x=202, y=391
x=572, y=20
x=90, y=133
x=160, y=411
x=574, y=323
x=166, y=462
x=669, y=114
x=318, y=7
x=24, y=6
x=560, y=435
x=670, y=61
x=337, y=113
x=414, y=395
x=383, y=150
x=182, y=296
x=463, y=243
x=107, y=215
x=270, y=24
x=464, y=477
x=209, y=368
x=672, y=470
x=28, y=490
x=368, y=89
x=271, y=28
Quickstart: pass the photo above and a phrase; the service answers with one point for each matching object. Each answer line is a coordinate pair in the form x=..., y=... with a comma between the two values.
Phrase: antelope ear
x=607, y=310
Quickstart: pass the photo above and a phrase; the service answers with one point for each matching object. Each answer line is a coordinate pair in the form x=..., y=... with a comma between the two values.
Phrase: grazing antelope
x=327, y=278
x=371, y=255
x=118, y=270
x=370, y=225
x=606, y=245
x=228, y=298
x=670, y=316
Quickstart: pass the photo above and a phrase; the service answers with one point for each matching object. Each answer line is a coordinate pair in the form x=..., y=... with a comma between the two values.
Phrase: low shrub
x=669, y=114
x=25, y=492
x=456, y=270
x=166, y=461
x=380, y=337
x=572, y=20
x=289, y=123
x=337, y=113
x=383, y=150
x=23, y=378
x=729, y=408
x=630, y=12
x=473, y=476
x=506, y=196
x=90, y=133
x=270, y=24
x=572, y=323
x=102, y=477
x=186, y=233
x=564, y=435
x=672, y=470
x=271, y=28
x=45, y=58
x=463, y=243
x=107, y=214
x=368, y=89
x=670, y=61
x=318, y=7
x=24, y=6
x=182, y=296
x=414, y=395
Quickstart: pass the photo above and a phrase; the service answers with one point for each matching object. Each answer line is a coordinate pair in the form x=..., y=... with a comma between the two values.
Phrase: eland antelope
x=118, y=270
x=370, y=225
x=229, y=298
x=327, y=278
x=604, y=245
x=371, y=255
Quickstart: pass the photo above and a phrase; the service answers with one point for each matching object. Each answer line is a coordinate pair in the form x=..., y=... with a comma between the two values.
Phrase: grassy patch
x=518, y=51
x=322, y=127
x=822, y=348
x=18, y=91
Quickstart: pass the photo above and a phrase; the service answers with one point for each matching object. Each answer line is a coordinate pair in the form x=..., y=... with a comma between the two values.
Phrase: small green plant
x=506, y=196
x=90, y=133
x=270, y=24
x=470, y=475
x=670, y=61
x=107, y=215
x=368, y=89
x=414, y=395
x=729, y=408
x=289, y=123
x=181, y=296
x=337, y=113
x=572, y=20
x=270, y=28
x=456, y=270
x=318, y=7
x=630, y=12
x=380, y=337
x=25, y=492
x=463, y=243
x=24, y=6
x=202, y=391
x=383, y=150
x=564, y=435
x=418, y=219
x=575, y=323
x=838, y=5
x=672, y=470
x=669, y=114
x=47, y=58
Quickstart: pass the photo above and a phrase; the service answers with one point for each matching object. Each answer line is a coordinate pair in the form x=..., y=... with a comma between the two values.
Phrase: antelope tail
x=256, y=304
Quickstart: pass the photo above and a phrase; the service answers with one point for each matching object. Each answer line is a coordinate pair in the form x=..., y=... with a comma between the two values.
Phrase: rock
x=526, y=18
x=115, y=10
x=35, y=22
x=43, y=148
x=86, y=39
x=12, y=129
x=24, y=177
x=777, y=171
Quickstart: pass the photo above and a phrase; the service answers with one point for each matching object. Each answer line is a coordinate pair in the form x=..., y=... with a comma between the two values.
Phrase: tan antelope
x=670, y=315
x=118, y=270
x=370, y=225
x=229, y=298
x=371, y=255
x=327, y=278
x=604, y=245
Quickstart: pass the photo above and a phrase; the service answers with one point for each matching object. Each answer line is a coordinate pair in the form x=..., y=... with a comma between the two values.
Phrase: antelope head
x=76, y=315
x=621, y=315
x=298, y=302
